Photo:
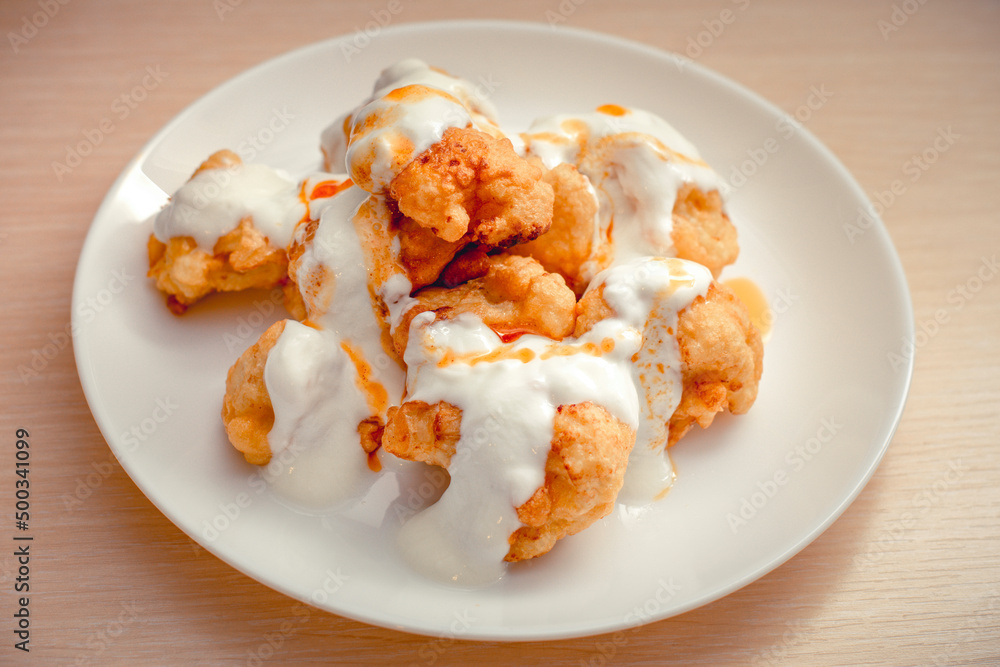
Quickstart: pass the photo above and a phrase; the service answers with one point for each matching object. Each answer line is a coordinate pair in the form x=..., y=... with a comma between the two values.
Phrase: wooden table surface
x=902, y=578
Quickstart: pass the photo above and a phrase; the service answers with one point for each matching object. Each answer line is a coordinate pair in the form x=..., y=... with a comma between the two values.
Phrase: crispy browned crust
x=423, y=254
x=419, y=431
x=473, y=185
x=702, y=232
x=721, y=355
x=723, y=359
x=247, y=412
x=584, y=472
x=514, y=296
x=241, y=259
x=568, y=245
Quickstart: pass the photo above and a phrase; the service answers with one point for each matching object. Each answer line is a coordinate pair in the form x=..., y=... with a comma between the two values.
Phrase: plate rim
x=900, y=291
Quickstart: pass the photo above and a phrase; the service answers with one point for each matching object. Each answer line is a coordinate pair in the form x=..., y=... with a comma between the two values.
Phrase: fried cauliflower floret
x=514, y=295
x=297, y=294
x=247, y=412
x=722, y=355
x=241, y=259
x=222, y=159
x=399, y=244
x=424, y=432
x=422, y=253
x=702, y=231
x=584, y=470
x=473, y=185
x=305, y=291
x=569, y=244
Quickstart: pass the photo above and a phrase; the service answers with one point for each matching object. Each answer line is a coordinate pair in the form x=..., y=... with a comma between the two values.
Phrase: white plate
x=829, y=401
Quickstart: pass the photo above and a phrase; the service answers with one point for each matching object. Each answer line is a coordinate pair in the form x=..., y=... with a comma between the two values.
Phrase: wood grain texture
x=902, y=578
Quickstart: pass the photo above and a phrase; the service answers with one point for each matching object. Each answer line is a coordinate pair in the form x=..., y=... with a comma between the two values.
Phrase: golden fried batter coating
x=419, y=431
x=584, y=470
x=296, y=294
x=590, y=310
x=247, y=412
x=702, y=232
x=394, y=244
x=569, y=244
x=473, y=185
x=424, y=254
x=723, y=360
x=221, y=159
x=514, y=296
x=242, y=259
x=721, y=355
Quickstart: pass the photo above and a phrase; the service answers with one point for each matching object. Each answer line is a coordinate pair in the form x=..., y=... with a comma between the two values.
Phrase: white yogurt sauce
x=648, y=293
x=395, y=293
x=408, y=72
x=333, y=249
x=508, y=394
x=336, y=260
x=392, y=130
x=324, y=381
x=635, y=159
x=214, y=202
x=313, y=385
x=414, y=71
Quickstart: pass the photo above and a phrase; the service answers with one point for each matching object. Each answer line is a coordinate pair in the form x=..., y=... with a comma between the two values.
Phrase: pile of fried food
x=439, y=257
